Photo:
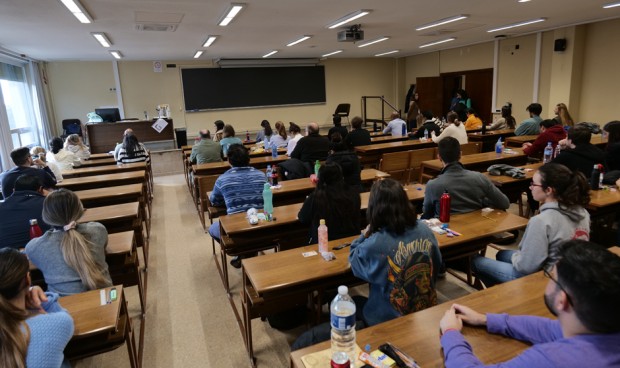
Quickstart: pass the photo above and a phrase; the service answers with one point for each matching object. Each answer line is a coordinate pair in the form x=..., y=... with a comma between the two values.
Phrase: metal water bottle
x=444, y=207
x=35, y=230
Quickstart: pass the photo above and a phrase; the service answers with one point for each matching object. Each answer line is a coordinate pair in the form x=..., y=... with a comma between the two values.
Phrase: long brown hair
x=14, y=332
x=570, y=189
x=389, y=208
x=564, y=115
x=60, y=208
x=281, y=129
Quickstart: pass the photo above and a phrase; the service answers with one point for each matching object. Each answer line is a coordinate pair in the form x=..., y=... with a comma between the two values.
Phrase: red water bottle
x=35, y=230
x=444, y=207
x=274, y=175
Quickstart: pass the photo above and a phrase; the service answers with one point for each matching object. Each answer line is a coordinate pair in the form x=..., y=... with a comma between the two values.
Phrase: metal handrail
x=373, y=120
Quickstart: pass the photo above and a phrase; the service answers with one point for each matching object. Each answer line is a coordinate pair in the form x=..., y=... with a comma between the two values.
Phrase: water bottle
x=342, y=311
x=266, y=143
x=268, y=173
x=247, y=135
x=594, y=178
x=274, y=151
x=556, y=153
x=35, y=230
x=484, y=129
x=444, y=207
x=548, y=153
x=267, y=201
x=274, y=175
x=323, y=239
x=317, y=166
x=499, y=146
x=404, y=129
x=425, y=134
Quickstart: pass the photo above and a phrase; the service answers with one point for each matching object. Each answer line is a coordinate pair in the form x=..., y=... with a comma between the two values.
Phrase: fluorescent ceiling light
x=332, y=53
x=209, y=41
x=116, y=54
x=520, y=24
x=610, y=5
x=438, y=42
x=442, y=22
x=523, y=1
x=387, y=53
x=77, y=10
x=198, y=54
x=348, y=18
x=373, y=42
x=299, y=40
x=102, y=38
x=232, y=12
x=270, y=53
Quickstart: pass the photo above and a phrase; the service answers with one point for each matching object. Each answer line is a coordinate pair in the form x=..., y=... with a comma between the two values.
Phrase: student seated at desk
x=577, y=151
x=358, y=136
x=132, y=150
x=279, y=139
x=563, y=195
x=35, y=329
x=335, y=202
x=229, y=139
x=583, y=292
x=348, y=161
x=455, y=129
x=71, y=256
x=65, y=159
x=74, y=144
x=397, y=255
x=206, y=150
x=550, y=131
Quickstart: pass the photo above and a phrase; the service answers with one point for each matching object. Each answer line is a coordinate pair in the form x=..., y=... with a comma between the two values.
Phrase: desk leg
x=247, y=321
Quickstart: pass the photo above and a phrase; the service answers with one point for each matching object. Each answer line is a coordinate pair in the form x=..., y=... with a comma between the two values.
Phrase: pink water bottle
x=444, y=207
x=322, y=232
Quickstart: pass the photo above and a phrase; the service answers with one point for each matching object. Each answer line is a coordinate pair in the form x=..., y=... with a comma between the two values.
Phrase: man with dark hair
x=583, y=292
x=206, y=150
x=531, y=126
x=337, y=128
x=430, y=126
x=23, y=205
x=239, y=189
x=397, y=126
x=358, y=136
x=312, y=147
x=23, y=161
x=550, y=131
x=469, y=190
x=577, y=151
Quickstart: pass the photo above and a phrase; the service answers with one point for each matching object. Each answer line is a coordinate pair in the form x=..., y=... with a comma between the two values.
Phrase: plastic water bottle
x=444, y=207
x=317, y=166
x=266, y=143
x=35, y=230
x=268, y=173
x=556, y=153
x=274, y=151
x=267, y=201
x=499, y=146
x=548, y=153
x=425, y=134
x=342, y=311
x=323, y=239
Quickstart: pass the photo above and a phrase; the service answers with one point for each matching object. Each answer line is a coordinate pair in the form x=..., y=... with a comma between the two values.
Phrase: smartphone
x=402, y=360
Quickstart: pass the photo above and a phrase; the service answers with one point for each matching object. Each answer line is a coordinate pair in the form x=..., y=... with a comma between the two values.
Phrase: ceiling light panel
x=611, y=5
x=78, y=11
x=515, y=25
x=388, y=53
x=443, y=21
x=381, y=39
x=102, y=39
x=209, y=41
x=348, y=18
x=332, y=53
x=437, y=42
x=302, y=39
x=270, y=53
x=198, y=54
x=231, y=13
x=117, y=54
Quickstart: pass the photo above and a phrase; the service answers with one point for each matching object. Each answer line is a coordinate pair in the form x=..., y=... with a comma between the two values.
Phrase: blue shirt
x=16, y=213
x=529, y=126
x=240, y=189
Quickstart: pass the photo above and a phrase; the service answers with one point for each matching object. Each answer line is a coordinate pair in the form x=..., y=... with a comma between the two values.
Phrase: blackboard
x=225, y=88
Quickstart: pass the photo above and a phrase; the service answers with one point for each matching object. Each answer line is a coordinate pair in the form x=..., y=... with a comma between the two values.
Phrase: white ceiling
x=45, y=30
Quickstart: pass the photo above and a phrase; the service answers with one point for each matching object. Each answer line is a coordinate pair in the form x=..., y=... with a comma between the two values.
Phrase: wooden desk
x=490, y=137
x=98, y=162
x=98, y=181
x=477, y=161
x=111, y=195
x=370, y=154
x=99, y=156
x=271, y=280
x=216, y=168
x=417, y=334
x=103, y=137
x=388, y=138
x=102, y=170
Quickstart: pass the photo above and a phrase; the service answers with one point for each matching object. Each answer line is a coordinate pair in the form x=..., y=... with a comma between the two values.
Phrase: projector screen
x=226, y=88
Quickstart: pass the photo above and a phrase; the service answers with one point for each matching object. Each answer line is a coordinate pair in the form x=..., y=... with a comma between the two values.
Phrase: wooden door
x=430, y=91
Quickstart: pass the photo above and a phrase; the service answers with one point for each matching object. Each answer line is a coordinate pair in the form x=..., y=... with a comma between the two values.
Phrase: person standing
x=413, y=112
x=531, y=126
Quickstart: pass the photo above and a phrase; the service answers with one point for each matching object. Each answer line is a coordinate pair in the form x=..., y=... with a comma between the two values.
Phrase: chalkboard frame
x=206, y=89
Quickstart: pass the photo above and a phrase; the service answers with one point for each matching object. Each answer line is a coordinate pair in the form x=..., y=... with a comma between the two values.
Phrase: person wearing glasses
x=583, y=292
x=563, y=194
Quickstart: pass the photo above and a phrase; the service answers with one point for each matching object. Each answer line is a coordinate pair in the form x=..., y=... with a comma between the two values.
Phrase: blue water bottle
x=274, y=150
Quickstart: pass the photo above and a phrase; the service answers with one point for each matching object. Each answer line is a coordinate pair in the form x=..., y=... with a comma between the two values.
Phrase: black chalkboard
x=224, y=88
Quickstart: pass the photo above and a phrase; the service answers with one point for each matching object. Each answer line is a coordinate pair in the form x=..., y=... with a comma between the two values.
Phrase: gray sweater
x=45, y=253
x=545, y=231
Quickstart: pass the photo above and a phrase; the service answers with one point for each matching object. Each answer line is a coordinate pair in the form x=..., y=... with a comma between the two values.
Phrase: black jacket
x=428, y=125
x=357, y=137
x=582, y=158
x=311, y=148
x=350, y=165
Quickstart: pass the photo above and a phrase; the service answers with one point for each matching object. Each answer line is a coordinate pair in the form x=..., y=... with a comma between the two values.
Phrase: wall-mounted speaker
x=559, y=45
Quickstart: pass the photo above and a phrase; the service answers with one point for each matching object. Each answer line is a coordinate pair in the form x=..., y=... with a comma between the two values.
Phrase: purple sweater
x=550, y=348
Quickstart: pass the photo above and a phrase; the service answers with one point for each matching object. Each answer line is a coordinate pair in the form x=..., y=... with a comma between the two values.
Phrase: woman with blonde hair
x=34, y=328
x=280, y=139
x=74, y=144
x=41, y=153
x=562, y=115
x=71, y=256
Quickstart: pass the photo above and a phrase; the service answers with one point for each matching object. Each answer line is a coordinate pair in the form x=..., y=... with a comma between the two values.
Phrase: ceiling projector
x=354, y=33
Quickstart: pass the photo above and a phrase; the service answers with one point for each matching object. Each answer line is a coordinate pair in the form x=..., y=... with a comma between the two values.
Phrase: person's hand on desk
x=34, y=298
x=526, y=145
x=457, y=314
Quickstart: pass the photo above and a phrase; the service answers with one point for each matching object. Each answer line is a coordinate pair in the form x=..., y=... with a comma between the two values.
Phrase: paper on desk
x=159, y=125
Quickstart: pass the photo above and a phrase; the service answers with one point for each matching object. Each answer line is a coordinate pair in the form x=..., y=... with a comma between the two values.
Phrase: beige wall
x=142, y=89
x=471, y=57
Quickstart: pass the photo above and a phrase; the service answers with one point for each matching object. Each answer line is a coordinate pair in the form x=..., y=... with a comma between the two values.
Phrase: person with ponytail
x=34, y=328
x=563, y=194
x=71, y=256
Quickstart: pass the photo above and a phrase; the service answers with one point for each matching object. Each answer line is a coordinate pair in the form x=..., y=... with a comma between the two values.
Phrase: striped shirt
x=139, y=155
x=240, y=188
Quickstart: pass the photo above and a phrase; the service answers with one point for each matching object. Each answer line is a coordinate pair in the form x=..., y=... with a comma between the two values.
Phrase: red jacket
x=553, y=134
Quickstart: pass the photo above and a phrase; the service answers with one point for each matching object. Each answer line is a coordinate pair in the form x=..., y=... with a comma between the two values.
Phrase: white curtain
x=40, y=97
